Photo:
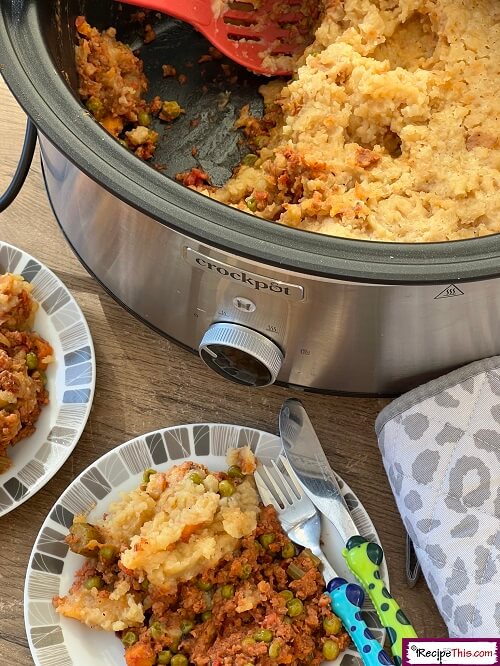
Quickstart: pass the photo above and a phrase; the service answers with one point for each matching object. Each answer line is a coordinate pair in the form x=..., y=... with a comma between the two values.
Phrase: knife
x=309, y=462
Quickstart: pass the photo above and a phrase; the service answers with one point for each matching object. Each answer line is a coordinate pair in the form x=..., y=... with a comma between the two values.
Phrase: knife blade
x=310, y=464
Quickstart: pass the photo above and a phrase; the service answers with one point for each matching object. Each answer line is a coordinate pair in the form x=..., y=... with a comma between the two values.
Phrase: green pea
x=157, y=630
x=226, y=488
x=332, y=625
x=164, y=657
x=43, y=377
x=248, y=641
x=251, y=203
x=207, y=615
x=206, y=587
x=245, y=572
x=288, y=551
x=94, y=581
x=81, y=537
x=235, y=472
x=32, y=361
x=129, y=639
x=287, y=620
x=196, y=478
x=179, y=660
x=148, y=473
x=267, y=539
x=294, y=607
x=330, y=650
x=227, y=591
x=274, y=650
x=174, y=645
x=145, y=585
x=107, y=553
x=170, y=110
x=95, y=106
x=144, y=118
x=263, y=636
x=186, y=626
x=287, y=595
x=250, y=159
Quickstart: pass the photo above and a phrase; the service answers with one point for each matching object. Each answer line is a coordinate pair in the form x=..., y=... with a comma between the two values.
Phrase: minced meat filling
x=112, y=84
x=24, y=357
x=241, y=611
x=263, y=602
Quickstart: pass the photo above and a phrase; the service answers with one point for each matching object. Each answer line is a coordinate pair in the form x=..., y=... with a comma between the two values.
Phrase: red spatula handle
x=196, y=12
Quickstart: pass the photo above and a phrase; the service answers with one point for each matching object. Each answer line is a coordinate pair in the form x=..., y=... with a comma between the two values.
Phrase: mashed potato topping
x=17, y=307
x=190, y=528
x=170, y=529
x=114, y=612
x=389, y=130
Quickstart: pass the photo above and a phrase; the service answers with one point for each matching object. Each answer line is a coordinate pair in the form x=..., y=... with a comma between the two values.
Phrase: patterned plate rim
x=79, y=366
x=131, y=458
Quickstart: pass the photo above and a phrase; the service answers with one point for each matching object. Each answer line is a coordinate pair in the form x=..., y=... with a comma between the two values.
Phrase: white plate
x=59, y=641
x=70, y=382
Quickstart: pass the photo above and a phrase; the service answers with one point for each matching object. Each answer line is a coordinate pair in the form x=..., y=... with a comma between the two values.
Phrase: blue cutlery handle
x=347, y=599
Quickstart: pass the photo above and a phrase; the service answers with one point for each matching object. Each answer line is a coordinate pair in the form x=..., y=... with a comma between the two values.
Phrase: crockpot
x=261, y=302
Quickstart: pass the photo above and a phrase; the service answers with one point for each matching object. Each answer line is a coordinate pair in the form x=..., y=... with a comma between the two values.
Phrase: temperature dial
x=241, y=354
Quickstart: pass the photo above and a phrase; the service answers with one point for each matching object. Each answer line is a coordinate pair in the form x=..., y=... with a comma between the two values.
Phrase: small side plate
x=70, y=382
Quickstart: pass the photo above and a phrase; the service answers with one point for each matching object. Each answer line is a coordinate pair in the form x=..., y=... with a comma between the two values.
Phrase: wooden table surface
x=134, y=396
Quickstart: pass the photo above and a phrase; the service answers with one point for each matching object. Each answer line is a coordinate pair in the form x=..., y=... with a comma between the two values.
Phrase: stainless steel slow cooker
x=260, y=301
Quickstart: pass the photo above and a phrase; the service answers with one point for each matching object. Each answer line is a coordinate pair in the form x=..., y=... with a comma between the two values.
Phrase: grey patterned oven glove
x=441, y=449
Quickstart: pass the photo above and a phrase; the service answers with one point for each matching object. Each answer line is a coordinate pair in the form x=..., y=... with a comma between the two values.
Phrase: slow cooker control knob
x=241, y=354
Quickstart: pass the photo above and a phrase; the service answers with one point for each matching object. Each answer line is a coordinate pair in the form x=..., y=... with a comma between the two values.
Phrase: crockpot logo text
x=250, y=280
x=243, y=277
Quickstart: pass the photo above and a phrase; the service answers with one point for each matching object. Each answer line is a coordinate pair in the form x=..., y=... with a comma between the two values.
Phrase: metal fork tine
x=292, y=479
x=282, y=478
x=282, y=497
x=297, y=514
x=264, y=492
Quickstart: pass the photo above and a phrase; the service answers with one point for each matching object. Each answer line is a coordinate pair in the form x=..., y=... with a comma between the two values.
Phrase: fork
x=301, y=522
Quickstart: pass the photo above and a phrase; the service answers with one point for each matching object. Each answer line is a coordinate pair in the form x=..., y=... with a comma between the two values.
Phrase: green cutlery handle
x=364, y=560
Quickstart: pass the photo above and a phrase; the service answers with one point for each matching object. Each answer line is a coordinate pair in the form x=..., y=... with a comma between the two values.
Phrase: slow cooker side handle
x=23, y=166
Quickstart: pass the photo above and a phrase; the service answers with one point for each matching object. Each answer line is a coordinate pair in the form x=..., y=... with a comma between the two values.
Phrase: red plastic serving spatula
x=253, y=33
